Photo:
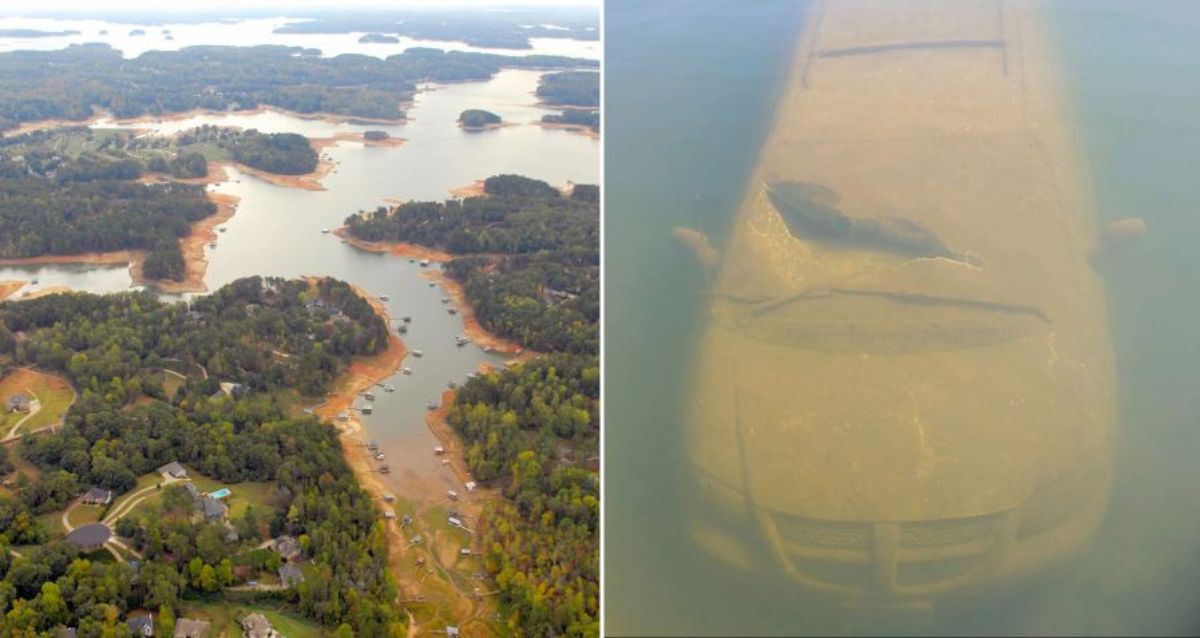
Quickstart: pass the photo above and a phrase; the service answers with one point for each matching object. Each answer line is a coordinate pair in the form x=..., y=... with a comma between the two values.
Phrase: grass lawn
x=8, y=419
x=223, y=618
x=210, y=151
x=171, y=384
x=187, y=369
x=54, y=393
x=244, y=494
x=83, y=514
x=21, y=466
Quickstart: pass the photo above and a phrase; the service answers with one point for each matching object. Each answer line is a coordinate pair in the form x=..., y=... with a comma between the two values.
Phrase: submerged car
x=905, y=387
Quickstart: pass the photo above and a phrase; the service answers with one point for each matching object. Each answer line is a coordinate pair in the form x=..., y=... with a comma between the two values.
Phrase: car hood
x=930, y=396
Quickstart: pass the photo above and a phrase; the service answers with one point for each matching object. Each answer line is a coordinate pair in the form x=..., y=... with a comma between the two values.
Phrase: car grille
x=844, y=556
x=808, y=532
x=947, y=532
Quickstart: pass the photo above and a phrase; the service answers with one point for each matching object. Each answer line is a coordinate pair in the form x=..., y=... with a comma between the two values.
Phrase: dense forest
x=53, y=202
x=520, y=215
x=282, y=153
x=71, y=83
x=477, y=118
x=35, y=33
x=532, y=426
x=378, y=38
x=570, y=88
x=70, y=215
x=531, y=263
x=113, y=349
x=548, y=301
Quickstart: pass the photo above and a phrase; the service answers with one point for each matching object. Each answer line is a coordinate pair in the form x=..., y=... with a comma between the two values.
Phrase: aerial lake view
x=819, y=423
x=393, y=405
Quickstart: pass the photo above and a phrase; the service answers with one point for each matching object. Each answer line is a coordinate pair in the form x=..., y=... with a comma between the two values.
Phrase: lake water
x=256, y=31
x=720, y=65
x=277, y=231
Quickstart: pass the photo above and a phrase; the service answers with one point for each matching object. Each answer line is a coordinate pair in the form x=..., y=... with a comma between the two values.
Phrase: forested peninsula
x=72, y=83
x=528, y=261
x=209, y=385
x=570, y=88
x=75, y=190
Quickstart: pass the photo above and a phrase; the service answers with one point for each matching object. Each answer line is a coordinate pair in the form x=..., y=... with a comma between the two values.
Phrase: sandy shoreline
x=100, y=116
x=362, y=375
x=476, y=189
x=192, y=246
x=320, y=143
x=397, y=248
x=9, y=287
x=332, y=118
x=455, y=450
x=307, y=181
x=486, y=127
x=574, y=128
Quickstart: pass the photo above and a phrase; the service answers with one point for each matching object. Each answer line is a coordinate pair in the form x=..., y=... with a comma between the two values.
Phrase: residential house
x=141, y=625
x=290, y=575
x=288, y=547
x=213, y=508
x=18, y=403
x=191, y=628
x=232, y=389
x=96, y=496
x=257, y=626
x=173, y=470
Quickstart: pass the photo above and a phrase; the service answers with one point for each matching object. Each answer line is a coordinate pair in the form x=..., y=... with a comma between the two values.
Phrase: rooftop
x=173, y=469
x=191, y=628
x=290, y=575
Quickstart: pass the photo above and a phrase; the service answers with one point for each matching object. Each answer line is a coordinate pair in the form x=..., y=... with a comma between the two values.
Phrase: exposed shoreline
x=397, y=248
x=101, y=115
x=476, y=189
x=476, y=332
x=362, y=375
x=10, y=287
x=573, y=128
x=192, y=247
x=495, y=126
x=332, y=118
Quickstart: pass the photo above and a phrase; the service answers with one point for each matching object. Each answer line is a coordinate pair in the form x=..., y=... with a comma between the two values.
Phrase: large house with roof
x=19, y=402
x=191, y=628
x=290, y=575
x=96, y=496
